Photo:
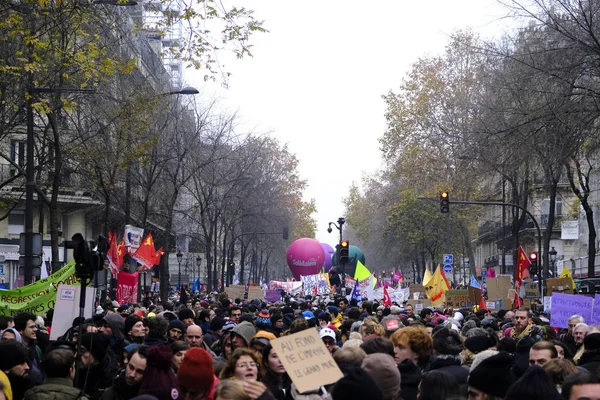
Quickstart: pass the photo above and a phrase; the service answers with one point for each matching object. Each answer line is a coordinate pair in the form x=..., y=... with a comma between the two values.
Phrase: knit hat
x=130, y=322
x=177, y=324
x=263, y=319
x=326, y=332
x=229, y=325
x=500, y=368
x=384, y=371
x=356, y=384
x=334, y=310
x=217, y=323
x=477, y=344
x=159, y=379
x=96, y=343
x=196, y=372
x=447, y=342
x=395, y=310
x=478, y=359
x=592, y=342
x=245, y=330
x=467, y=326
x=13, y=353
x=391, y=323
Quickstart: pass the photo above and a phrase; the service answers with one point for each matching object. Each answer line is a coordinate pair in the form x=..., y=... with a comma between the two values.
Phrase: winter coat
x=451, y=366
x=411, y=377
x=590, y=360
x=55, y=389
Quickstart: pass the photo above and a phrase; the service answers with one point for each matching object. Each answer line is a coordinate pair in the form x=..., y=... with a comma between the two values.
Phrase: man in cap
x=328, y=337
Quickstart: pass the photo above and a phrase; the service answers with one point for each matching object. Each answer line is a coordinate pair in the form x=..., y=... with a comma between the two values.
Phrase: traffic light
x=533, y=258
x=344, y=251
x=444, y=202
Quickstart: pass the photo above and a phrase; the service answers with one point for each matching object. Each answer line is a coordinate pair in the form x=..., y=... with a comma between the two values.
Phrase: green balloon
x=354, y=254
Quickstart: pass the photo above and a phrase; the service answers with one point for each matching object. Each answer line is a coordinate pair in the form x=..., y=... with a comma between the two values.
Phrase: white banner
x=367, y=287
x=133, y=236
x=319, y=280
x=399, y=295
x=289, y=287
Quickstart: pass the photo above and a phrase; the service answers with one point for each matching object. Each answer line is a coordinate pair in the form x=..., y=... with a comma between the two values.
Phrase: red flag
x=113, y=255
x=523, y=264
x=146, y=253
x=482, y=304
x=387, y=300
x=127, y=285
x=158, y=255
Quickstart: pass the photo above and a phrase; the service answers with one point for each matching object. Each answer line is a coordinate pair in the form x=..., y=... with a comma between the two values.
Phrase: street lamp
x=179, y=258
x=552, y=253
x=340, y=223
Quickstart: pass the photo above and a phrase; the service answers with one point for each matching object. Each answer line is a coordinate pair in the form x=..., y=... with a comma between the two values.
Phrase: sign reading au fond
x=38, y=297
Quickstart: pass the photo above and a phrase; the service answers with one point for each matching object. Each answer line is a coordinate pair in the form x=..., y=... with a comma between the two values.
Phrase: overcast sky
x=316, y=79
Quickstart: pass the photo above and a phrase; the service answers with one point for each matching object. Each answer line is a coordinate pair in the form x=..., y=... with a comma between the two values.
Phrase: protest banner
x=566, y=305
x=288, y=287
x=38, y=297
x=420, y=304
x=366, y=287
x=306, y=360
x=235, y=291
x=127, y=288
x=309, y=282
x=559, y=285
x=256, y=292
x=595, y=320
x=273, y=295
x=66, y=308
x=497, y=288
x=459, y=299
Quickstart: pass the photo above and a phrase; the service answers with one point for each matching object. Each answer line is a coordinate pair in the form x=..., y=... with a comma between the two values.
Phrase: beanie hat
x=263, y=319
x=447, y=342
x=96, y=343
x=159, y=379
x=130, y=322
x=356, y=384
x=177, y=324
x=384, y=371
x=467, y=326
x=477, y=344
x=196, y=372
x=478, y=359
x=287, y=310
x=395, y=310
x=245, y=330
x=275, y=318
x=265, y=334
x=391, y=323
x=592, y=342
x=334, y=310
x=324, y=316
x=185, y=313
x=217, y=324
x=499, y=367
x=13, y=353
x=229, y=325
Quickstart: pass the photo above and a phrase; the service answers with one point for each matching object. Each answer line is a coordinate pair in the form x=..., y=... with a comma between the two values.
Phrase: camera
x=89, y=255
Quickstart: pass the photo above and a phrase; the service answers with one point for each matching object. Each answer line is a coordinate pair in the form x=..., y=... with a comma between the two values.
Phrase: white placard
x=418, y=307
x=66, y=308
x=490, y=305
x=548, y=303
x=67, y=294
x=133, y=236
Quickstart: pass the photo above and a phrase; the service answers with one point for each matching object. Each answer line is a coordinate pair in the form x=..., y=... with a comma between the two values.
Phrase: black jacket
x=410, y=377
x=451, y=366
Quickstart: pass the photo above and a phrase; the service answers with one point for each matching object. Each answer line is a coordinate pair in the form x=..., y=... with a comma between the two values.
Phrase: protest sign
x=560, y=285
x=66, y=308
x=474, y=294
x=566, y=305
x=366, y=287
x=498, y=287
x=127, y=288
x=38, y=297
x=417, y=291
x=273, y=296
x=256, y=292
x=596, y=311
x=306, y=360
x=459, y=299
x=548, y=303
x=532, y=290
x=288, y=287
x=309, y=282
x=420, y=304
x=236, y=291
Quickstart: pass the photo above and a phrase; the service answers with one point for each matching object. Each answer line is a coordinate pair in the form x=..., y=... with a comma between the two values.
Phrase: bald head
x=194, y=336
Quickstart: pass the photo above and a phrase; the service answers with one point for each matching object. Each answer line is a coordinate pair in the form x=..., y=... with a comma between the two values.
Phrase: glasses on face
x=247, y=365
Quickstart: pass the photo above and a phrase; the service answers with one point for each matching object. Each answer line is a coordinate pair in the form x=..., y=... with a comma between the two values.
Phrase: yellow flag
x=374, y=282
x=426, y=276
x=567, y=274
x=361, y=272
x=436, y=287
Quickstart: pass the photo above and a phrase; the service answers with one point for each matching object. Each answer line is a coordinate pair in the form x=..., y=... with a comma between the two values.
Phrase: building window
x=17, y=155
x=16, y=223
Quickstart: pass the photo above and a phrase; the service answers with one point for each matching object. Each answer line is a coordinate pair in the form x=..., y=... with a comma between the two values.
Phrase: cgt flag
x=387, y=300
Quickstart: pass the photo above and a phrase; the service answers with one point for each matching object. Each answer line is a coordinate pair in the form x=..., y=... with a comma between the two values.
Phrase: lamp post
x=340, y=224
x=552, y=253
x=179, y=258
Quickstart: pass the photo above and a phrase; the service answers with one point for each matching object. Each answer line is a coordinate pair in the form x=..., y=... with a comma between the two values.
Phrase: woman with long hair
x=276, y=378
x=179, y=348
x=244, y=364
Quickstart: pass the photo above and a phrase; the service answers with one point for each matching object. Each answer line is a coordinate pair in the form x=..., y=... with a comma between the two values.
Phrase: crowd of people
x=214, y=347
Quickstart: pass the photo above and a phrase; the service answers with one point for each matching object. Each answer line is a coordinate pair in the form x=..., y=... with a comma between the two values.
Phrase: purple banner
x=273, y=295
x=566, y=305
x=595, y=320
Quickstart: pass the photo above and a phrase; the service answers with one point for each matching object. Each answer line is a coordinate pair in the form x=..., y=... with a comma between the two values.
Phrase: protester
x=242, y=334
x=382, y=368
x=535, y=384
x=196, y=375
x=437, y=385
x=328, y=337
x=59, y=369
x=13, y=362
x=178, y=348
x=244, y=364
x=559, y=370
x=159, y=379
x=542, y=352
x=128, y=382
x=276, y=378
x=492, y=377
x=523, y=324
x=583, y=385
x=134, y=329
x=10, y=334
x=176, y=330
x=447, y=346
x=27, y=328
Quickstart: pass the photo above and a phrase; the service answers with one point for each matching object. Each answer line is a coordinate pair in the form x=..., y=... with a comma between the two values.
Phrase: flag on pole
x=427, y=276
x=436, y=287
x=361, y=272
x=146, y=253
x=114, y=261
x=474, y=282
x=387, y=300
x=356, y=293
x=522, y=272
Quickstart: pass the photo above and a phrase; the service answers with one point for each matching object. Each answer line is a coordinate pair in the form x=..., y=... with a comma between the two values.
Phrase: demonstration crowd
x=214, y=347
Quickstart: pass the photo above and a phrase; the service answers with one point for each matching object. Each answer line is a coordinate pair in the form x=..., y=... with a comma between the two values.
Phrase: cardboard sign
x=256, y=292
x=474, y=294
x=236, y=291
x=559, y=285
x=498, y=287
x=417, y=290
x=566, y=305
x=596, y=311
x=459, y=299
x=419, y=304
x=532, y=290
x=306, y=360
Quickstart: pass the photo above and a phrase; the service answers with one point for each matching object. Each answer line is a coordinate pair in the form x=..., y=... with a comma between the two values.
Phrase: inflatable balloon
x=305, y=257
x=354, y=254
x=329, y=252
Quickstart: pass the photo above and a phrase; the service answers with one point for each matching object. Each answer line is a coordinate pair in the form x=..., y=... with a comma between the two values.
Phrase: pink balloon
x=305, y=257
x=329, y=251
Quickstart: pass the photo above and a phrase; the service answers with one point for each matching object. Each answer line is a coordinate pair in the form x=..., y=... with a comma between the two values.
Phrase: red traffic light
x=533, y=257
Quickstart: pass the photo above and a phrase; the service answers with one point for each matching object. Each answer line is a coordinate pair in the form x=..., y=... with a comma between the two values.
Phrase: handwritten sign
x=566, y=305
x=459, y=299
x=309, y=282
x=235, y=291
x=307, y=360
x=256, y=292
x=596, y=311
x=532, y=290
